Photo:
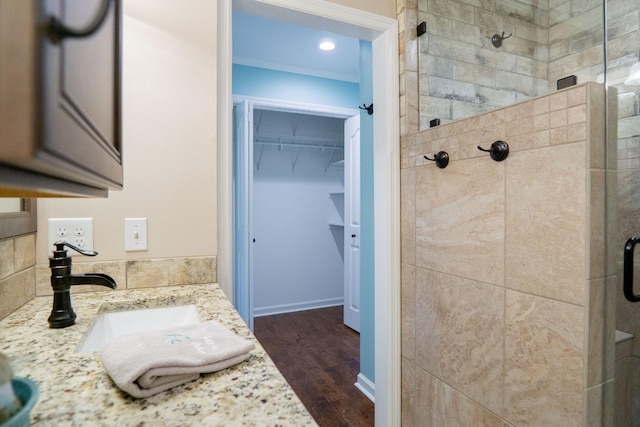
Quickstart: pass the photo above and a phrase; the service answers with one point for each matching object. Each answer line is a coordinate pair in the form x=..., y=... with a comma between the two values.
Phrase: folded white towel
x=147, y=363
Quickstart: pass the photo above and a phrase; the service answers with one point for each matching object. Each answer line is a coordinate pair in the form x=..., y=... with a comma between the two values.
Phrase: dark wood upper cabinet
x=60, y=106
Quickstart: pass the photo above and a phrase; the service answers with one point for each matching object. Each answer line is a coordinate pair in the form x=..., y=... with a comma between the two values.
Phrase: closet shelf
x=328, y=146
x=280, y=145
x=338, y=194
x=299, y=141
x=335, y=226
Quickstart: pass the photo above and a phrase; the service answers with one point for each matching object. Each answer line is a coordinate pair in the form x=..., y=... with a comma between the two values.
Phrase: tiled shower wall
x=462, y=74
x=503, y=284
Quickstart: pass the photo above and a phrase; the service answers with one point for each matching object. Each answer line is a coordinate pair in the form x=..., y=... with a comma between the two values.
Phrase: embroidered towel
x=147, y=363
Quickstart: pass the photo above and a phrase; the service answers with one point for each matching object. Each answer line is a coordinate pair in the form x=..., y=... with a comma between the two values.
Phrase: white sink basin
x=114, y=324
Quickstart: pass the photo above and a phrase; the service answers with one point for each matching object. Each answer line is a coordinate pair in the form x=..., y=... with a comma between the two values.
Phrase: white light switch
x=135, y=234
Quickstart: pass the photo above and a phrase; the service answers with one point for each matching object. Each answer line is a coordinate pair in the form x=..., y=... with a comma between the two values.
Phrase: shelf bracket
x=333, y=150
x=295, y=160
x=259, y=121
x=294, y=125
x=326, y=165
x=260, y=157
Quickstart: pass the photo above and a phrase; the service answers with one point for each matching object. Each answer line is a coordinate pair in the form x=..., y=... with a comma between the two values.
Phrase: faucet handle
x=60, y=248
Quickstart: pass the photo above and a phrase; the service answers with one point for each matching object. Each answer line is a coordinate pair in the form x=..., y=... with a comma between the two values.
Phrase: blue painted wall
x=271, y=84
x=367, y=306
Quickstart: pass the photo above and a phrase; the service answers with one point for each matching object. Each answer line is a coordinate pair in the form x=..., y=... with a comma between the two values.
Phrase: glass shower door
x=624, y=203
x=623, y=199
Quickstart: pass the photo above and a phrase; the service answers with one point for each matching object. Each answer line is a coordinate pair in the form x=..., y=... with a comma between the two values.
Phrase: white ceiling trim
x=297, y=107
x=318, y=14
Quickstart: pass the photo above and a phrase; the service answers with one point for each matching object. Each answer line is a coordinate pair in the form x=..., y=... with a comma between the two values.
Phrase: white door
x=242, y=190
x=352, y=222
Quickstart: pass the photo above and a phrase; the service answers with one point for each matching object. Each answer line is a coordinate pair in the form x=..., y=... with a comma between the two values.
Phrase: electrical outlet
x=76, y=231
x=135, y=234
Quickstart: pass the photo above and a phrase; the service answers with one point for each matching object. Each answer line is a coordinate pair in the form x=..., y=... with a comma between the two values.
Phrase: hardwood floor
x=319, y=357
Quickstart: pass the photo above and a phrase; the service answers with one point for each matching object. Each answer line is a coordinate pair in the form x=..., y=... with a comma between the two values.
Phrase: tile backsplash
x=146, y=273
x=17, y=272
x=21, y=279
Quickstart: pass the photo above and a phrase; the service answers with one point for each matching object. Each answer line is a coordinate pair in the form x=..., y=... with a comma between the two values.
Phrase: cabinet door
x=81, y=94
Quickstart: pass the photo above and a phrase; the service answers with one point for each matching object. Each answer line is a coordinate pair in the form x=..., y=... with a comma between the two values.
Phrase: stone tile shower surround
x=461, y=73
x=504, y=291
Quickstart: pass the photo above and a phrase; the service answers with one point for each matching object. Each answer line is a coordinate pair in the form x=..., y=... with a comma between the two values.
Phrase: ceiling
x=265, y=43
x=257, y=41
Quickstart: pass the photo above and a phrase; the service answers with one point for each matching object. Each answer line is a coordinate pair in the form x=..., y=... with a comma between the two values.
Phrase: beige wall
x=169, y=140
x=381, y=7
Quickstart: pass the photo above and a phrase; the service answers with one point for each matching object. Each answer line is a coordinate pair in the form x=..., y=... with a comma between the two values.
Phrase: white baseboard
x=290, y=308
x=366, y=387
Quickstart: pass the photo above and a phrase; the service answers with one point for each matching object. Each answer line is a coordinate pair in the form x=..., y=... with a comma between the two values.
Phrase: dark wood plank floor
x=319, y=357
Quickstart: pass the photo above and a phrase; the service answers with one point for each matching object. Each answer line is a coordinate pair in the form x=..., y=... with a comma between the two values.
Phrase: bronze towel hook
x=441, y=159
x=499, y=150
x=497, y=39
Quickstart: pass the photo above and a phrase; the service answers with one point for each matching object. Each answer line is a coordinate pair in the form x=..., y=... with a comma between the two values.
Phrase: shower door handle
x=627, y=278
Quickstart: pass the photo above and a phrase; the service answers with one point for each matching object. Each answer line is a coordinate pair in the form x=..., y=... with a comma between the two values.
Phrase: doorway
x=383, y=33
x=296, y=196
x=297, y=208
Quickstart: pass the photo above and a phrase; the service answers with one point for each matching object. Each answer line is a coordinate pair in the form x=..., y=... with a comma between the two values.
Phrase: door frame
x=242, y=297
x=352, y=223
x=258, y=103
x=383, y=33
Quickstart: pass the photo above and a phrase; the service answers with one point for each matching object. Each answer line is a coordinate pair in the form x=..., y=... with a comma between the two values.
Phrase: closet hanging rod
x=295, y=138
x=292, y=144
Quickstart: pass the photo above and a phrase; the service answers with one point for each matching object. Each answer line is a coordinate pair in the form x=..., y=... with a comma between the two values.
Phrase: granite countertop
x=75, y=390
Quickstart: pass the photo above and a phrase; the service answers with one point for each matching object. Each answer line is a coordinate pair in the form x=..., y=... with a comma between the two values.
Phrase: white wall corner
x=224, y=155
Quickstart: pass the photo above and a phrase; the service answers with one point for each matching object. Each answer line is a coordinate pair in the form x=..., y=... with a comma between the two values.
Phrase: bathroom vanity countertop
x=75, y=390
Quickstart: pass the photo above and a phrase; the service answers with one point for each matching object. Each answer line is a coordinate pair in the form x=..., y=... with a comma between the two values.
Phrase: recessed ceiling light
x=327, y=45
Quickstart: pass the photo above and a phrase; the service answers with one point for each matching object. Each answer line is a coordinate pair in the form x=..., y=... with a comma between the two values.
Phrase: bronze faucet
x=62, y=314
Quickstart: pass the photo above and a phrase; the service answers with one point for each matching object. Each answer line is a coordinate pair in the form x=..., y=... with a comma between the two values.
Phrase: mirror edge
x=19, y=223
